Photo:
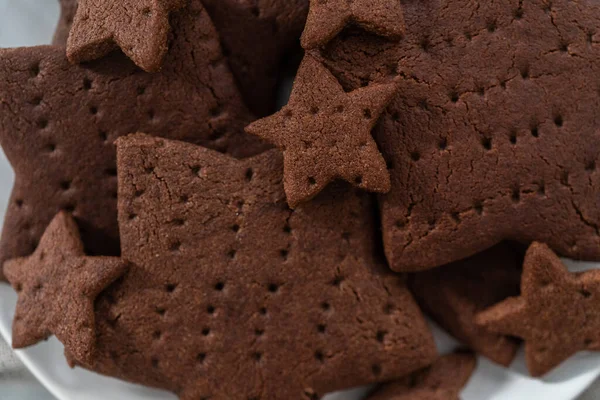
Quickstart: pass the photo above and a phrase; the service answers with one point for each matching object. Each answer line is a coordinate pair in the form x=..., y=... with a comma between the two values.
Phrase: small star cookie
x=57, y=286
x=325, y=134
x=140, y=28
x=556, y=314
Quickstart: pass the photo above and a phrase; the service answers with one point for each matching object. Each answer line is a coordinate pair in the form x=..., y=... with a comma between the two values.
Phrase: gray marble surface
x=31, y=22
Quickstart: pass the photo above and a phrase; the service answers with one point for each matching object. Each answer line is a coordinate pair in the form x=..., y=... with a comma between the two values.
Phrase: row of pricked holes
x=486, y=142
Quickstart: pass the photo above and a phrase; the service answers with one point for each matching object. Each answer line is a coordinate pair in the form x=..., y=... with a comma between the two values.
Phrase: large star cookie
x=57, y=286
x=444, y=380
x=140, y=28
x=327, y=18
x=453, y=295
x=257, y=37
x=58, y=123
x=233, y=295
x=325, y=134
x=494, y=129
x=556, y=314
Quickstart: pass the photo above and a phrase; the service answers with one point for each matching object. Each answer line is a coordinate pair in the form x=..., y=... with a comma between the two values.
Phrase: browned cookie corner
x=453, y=295
x=443, y=380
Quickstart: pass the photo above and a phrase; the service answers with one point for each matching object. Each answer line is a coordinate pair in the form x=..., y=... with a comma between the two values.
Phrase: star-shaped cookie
x=257, y=36
x=493, y=130
x=58, y=122
x=140, y=28
x=57, y=286
x=444, y=380
x=325, y=134
x=327, y=18
x=233, y=295
x=453, y=295
x=556, y=314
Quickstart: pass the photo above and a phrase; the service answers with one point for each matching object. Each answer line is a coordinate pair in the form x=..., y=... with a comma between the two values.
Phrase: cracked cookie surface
x=58, y=122
x=320, y=311
x=494, y=132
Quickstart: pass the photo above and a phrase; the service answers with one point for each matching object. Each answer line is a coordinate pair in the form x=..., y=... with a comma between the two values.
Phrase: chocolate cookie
x=494, y=129
x=57, y=286
x=257, y=36
x=140, y=28
x=58, y=122
x=556, y=314
x=328, y=18
x=325, y=134
x=233, y=295
x=442, y=381
x=68, y=8
x=452, y=295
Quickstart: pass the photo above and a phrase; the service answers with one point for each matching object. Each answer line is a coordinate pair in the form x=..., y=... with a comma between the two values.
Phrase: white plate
x=29, y=22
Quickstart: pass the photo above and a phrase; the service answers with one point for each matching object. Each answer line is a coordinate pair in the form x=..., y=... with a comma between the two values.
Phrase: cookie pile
x=169, y=237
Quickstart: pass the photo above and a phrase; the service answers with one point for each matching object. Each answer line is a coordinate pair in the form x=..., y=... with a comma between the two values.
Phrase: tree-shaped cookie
x=327, y=18
x=58, y=122
x=233, y=295
x=57, y=286
x=444, y=380
x=140, y=28
x=325, y=134
x=556, y=314
x=452, y=296
x=494, y=128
